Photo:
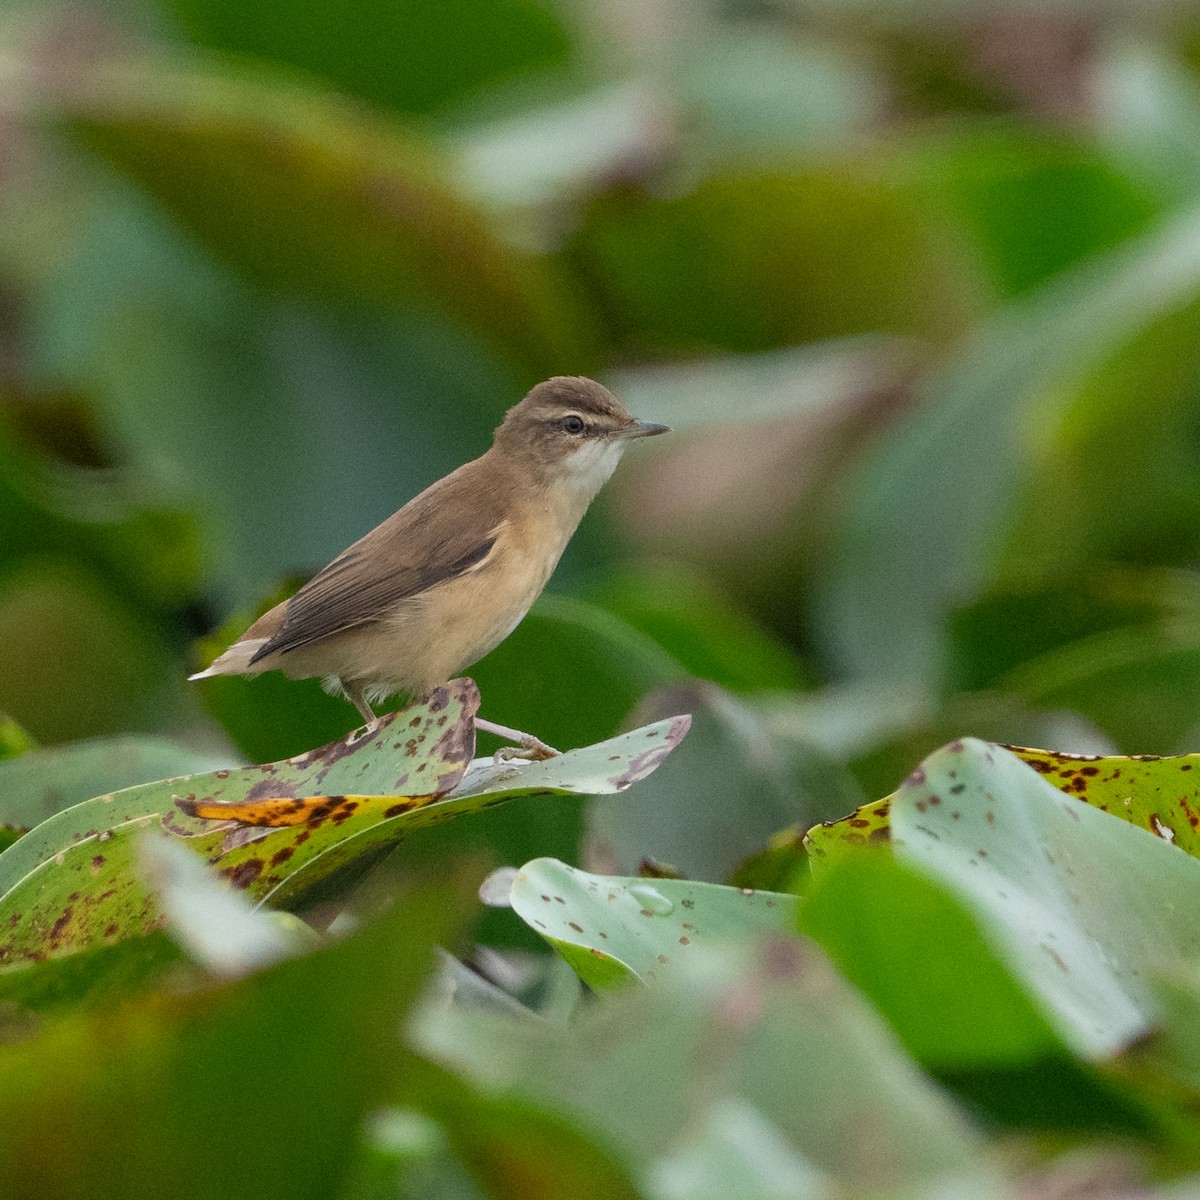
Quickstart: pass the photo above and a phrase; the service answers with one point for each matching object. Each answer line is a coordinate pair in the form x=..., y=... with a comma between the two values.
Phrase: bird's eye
x=573, y=424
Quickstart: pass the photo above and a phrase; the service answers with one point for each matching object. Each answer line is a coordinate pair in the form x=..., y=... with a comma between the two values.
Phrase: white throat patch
x=589, y=467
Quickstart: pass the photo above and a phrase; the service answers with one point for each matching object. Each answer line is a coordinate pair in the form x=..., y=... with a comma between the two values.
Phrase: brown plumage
x=432, y=589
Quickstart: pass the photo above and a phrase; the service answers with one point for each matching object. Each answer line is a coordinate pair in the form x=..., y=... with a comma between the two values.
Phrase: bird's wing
x=443, y=533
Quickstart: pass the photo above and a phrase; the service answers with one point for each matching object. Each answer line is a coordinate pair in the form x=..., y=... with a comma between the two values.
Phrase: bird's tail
x=235, y=660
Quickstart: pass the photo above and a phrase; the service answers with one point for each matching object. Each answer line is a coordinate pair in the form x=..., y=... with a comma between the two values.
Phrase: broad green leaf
x=699, y=627
x=737, y=1154
x=1139, y=684
x=162, y=1074
x=1084, y=909
x=614, y=930
x=43, y=782
x=923, y=534
x=95, y=979
x=101, y=666
x=410, y=58
x=149, y=554
x=1161, y=795
x=1147, y=103
x=765, y=1021
x=517, y=1149
x=218, y=927
x=919, y=954
x=73, y=881
x=1033, y=200
x=869, y=825
x=573, y=674
x=279, y=849
x=796, y=252
x=303, y=192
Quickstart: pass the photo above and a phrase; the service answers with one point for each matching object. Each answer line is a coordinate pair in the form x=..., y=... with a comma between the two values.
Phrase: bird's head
x=571, y=429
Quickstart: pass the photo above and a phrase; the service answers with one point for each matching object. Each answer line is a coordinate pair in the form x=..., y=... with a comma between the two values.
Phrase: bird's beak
x=641, y=429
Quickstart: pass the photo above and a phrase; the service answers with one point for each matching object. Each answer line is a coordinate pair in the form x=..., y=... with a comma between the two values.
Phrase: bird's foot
x=531, y=749
x=528, y=747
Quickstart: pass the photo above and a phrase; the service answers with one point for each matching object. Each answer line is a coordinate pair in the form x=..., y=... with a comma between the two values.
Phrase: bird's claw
x=531, y=749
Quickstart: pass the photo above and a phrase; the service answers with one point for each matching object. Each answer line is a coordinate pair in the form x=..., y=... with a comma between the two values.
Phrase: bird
x=444, y=580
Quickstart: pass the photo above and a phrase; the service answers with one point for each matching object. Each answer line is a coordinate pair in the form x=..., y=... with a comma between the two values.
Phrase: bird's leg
x=528, y=747
x=354, y=692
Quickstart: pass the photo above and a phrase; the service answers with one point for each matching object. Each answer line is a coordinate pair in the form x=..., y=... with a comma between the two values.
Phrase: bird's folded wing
x=429, y=541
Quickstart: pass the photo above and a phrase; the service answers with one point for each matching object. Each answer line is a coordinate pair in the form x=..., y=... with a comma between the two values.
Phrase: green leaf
x=277, y=831
x=219, y=928
x=699, y=627
x=868, y=825
x=304, y=193
x=796, y=253
x=414, y=59
x=736, y=1153
x=614, y=930
x=73, y=881
x=516, y=1148
x=97, y=979
x=102, y=522
x=764, y=1021
x=43, y=782
x=708, y=810
x=103, y=666
x=949, y=515
x=921, y=956
x=162, y=1074
x=1161, y=795
x=1083, y=908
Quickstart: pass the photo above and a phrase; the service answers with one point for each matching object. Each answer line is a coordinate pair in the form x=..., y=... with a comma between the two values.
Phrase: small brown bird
x=438, y=584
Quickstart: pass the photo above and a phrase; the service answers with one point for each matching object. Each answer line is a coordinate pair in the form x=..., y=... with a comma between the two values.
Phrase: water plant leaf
x=41, y=782
x=1159, y=794
x=306, y=194
x=615, y=930
x=1084, y=910
x=73, y=881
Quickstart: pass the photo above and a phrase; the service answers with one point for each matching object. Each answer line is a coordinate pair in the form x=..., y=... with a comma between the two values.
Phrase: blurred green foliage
x=918, y=286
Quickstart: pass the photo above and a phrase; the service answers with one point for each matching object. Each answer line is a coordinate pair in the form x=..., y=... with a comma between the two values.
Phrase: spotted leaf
x=615, y=930
x=73, y=880
x=276, y=831
x=1161, y=795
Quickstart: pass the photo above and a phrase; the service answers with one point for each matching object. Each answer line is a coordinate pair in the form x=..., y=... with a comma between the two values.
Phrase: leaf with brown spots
x=869, y=825
x=1161, y=795
x=615, y=929
x=1083, y=910
x=277, y=863
x=73, y=881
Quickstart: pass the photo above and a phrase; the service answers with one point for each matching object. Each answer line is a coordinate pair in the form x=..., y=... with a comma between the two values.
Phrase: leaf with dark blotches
x=74, y=881
x=1085, y=911
x=1158, y=794
x=278, y=861
x=868, y=825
